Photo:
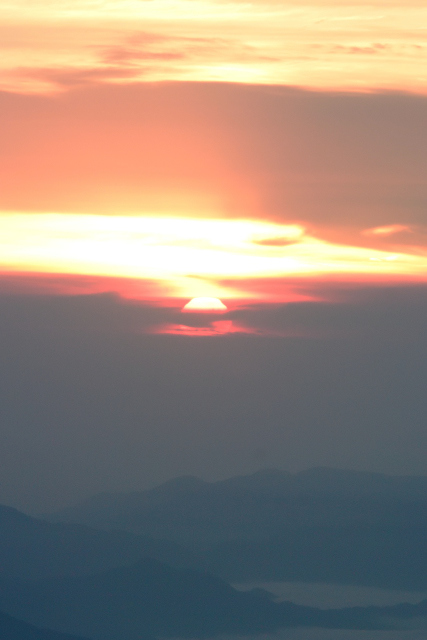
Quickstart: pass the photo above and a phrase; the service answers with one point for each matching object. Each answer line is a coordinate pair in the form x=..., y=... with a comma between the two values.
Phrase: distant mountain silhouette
x=12, y=629
x=318, y=525
x=256, y=506
x=151, y=599
x=389, y=557
x=31, y=548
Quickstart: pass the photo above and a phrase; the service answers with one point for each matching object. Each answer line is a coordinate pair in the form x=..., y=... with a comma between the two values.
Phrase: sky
x=213, y=241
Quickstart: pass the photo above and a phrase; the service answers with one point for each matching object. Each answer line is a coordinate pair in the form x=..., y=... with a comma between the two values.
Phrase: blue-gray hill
x=152, y=599
x=31, y=548
x=13, y=629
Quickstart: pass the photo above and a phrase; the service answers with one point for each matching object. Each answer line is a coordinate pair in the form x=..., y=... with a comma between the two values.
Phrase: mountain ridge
x=31, y=548
x=14, y=629
x=258, y=506
x=151, y=599
x=316, y=479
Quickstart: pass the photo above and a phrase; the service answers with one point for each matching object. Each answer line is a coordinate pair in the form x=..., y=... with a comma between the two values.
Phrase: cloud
x=276, y=242
x=126, y=55
x=148, y=56
x=312, y=44
x=68, y=77
x=325, y=160
x=388, y=230
x=52, y=284
x=91, y=314
x=315, y=308
x=144, y=45
x=385, y=313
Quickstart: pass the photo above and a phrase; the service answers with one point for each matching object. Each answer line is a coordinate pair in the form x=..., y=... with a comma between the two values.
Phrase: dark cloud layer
x=90, y=402
x=381, y=313
x=332, y=160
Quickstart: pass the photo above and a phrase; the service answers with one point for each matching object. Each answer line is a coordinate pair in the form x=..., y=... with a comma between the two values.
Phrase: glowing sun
x=211, y=305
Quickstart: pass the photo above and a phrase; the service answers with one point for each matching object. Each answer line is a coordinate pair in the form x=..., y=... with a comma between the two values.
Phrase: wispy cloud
x=388, y=230
x=68, y=77
x=311, y=44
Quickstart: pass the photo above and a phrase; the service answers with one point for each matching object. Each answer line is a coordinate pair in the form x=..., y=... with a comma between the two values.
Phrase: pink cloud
x=388, y=230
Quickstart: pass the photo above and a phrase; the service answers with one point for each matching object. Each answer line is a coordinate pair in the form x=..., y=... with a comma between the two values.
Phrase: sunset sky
x=189, y=143
x=270, y=154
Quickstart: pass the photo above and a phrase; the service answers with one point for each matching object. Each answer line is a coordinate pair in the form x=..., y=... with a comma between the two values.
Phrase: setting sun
x=205, y=304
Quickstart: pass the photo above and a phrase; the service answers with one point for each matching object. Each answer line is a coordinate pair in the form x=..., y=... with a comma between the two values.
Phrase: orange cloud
x=310, y=307
x=216, y=328
x=188, y=254
x=64, y=284
x=388, y=230
x=251, y=188
x=311, y=44
x=336, y=164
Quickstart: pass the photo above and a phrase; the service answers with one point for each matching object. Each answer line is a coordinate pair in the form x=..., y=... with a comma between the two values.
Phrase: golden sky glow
x=188, y=254
x=213, y=148
x=361, y=45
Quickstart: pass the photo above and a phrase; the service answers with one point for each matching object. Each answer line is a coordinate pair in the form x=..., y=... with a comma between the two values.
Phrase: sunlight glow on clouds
x=388, y=230
x=49, y=45
x=184, y=252
x=239, y=148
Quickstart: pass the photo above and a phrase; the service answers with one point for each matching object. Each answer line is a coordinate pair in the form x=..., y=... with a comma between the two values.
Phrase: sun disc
x=211, y=305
